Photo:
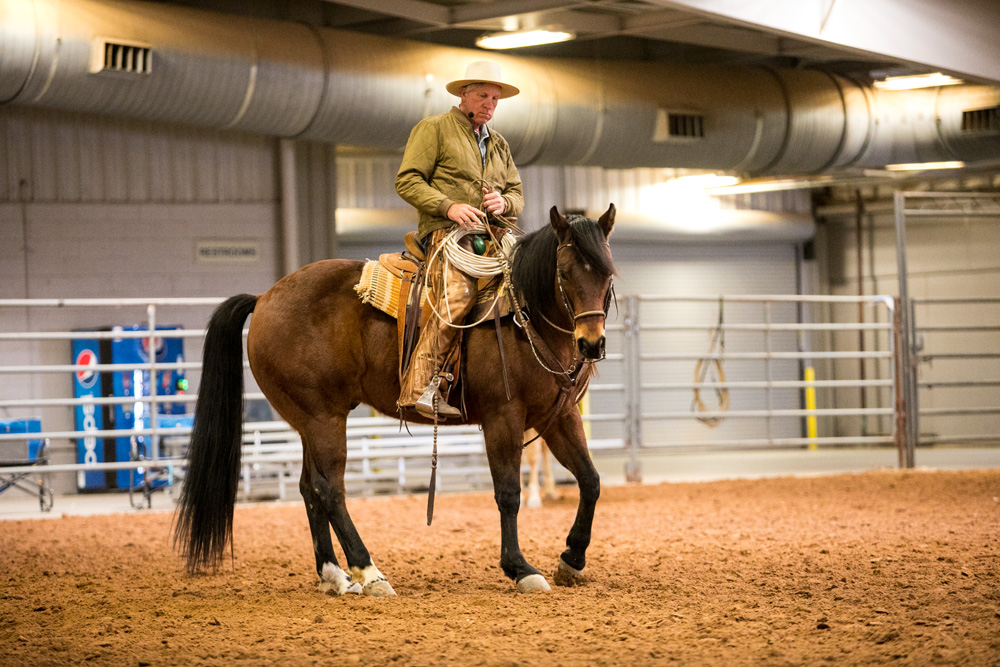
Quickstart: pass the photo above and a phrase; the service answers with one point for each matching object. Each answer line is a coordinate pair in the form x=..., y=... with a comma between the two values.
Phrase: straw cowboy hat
x=482, y=71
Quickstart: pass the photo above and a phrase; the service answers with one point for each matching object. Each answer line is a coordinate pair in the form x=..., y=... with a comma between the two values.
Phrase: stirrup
x=425, y=404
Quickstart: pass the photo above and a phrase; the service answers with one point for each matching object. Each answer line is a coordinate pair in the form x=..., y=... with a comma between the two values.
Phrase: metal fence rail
x=268, y=445
x=789, y=377
x=957, y=205
x=786, y=373
x=954, y=366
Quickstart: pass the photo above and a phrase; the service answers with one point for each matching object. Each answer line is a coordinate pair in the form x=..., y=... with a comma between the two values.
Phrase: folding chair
x=35, y=456
x=172, y=452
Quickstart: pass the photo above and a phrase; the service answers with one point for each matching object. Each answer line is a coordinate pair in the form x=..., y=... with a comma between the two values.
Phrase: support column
x=289, y=208
x=633, y=391
x=317, y=193
x=905, y=373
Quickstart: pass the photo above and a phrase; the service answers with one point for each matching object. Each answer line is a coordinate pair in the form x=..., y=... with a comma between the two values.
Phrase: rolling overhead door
x=705, y=270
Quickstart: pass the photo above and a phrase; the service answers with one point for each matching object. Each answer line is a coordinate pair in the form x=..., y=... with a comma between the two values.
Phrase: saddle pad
x=380, y=288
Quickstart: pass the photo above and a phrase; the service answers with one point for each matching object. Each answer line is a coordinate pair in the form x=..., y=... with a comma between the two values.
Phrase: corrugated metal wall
x=367, y=180
x=61, y=158
x=65, y=157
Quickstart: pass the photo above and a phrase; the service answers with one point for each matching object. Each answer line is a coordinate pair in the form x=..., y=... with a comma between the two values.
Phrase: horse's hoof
x=533, y=583
x=379, y=589
x=373, y=583
x=567, y=575
x=330, y=588
x=334, y=581
x=534, y=501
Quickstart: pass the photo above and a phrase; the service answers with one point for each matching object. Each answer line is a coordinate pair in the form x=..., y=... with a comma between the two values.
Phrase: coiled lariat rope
x=712, y=360
x=478, y=266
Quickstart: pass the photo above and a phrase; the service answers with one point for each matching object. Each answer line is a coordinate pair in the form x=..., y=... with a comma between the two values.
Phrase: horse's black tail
x=205, y=512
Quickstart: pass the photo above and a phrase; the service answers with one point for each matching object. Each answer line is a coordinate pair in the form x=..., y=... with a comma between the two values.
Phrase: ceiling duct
x=290, y=80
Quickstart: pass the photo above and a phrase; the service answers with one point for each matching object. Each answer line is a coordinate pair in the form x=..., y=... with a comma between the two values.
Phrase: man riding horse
x=452, y=162
x=560, y=279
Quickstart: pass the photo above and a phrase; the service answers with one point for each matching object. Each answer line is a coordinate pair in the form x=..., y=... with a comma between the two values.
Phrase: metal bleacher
x=382, y=457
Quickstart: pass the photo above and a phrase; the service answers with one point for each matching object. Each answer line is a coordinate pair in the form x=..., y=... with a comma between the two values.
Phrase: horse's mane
x=533, y=270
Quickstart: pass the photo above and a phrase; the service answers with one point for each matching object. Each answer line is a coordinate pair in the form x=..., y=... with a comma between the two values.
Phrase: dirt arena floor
x=877, y=568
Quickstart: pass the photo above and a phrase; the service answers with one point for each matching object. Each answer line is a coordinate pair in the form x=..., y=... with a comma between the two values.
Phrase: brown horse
x=317, y=352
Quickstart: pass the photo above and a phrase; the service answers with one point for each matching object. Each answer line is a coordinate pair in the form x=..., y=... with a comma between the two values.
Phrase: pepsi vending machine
x=122, y=384
x=89, y=383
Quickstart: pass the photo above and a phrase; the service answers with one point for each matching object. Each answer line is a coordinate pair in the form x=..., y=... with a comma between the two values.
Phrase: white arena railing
x=641, y=400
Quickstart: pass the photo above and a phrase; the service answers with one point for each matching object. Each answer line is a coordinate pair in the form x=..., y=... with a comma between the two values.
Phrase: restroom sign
x=226, y=251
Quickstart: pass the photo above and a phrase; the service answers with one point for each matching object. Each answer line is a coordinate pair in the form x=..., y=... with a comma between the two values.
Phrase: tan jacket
x=442, y=163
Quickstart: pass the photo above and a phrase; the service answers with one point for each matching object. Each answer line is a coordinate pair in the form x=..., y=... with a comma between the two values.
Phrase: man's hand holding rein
x=466, y=215
x=492, y=202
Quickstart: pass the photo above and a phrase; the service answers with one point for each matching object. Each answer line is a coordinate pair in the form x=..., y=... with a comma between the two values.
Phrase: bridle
x=573, y=315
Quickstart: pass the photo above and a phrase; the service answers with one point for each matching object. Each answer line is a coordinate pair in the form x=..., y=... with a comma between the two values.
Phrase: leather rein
x=567, y=378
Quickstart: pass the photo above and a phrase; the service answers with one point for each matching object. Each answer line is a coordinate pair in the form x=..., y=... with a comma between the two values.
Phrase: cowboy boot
x=422, y=380
x=421, y=383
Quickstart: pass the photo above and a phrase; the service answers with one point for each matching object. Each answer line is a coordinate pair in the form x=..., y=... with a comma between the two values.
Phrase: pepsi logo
x=160, y=345
x=86, y=377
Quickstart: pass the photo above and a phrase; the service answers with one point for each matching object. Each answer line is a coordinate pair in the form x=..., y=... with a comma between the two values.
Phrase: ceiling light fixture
x=777, y=185
x=925, y=166
x=916, y=81
x=521, y=38
x=703, y=181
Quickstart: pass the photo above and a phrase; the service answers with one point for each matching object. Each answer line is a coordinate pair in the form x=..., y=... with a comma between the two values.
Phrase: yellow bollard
x=811, y=431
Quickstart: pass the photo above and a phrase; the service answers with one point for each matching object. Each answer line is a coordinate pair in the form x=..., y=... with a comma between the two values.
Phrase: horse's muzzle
x=591, y=350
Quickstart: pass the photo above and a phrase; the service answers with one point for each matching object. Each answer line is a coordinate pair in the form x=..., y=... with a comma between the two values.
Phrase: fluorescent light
x=916, y=81
x=702, y=181
x=522, y=38
x=924, y=166
x=686, y=198
x=751, y=187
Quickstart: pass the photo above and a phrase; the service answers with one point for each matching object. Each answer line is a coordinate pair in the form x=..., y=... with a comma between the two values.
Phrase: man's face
x=482, y=102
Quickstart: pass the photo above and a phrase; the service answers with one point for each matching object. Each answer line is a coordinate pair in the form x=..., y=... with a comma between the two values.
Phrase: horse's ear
x=558, y=221
x=607, y=220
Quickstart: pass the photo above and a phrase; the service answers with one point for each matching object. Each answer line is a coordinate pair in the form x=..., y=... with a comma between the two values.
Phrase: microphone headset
x=471, y=114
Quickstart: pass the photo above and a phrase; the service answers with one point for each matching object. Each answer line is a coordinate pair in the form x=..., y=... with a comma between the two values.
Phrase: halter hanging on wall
x=712, y=363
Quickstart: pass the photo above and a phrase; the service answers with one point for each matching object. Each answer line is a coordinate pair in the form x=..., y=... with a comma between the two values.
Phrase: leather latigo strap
x=408, y=321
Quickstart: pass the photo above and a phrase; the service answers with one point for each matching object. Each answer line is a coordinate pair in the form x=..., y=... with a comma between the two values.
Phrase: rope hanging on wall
x=711, y=364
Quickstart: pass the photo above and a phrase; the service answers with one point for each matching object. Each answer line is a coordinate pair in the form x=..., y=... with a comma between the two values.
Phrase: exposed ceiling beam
x=958, y=37
x=494, y=10
x=467, y=15
x=579, y=22
x=657, y=20
x=718, y=37
x=699, y=32
x=415, y=10
x=345, y=17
